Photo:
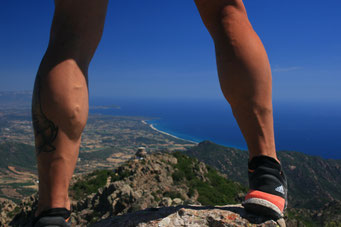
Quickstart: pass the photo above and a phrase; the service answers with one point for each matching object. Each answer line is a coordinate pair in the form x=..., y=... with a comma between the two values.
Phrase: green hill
x=313, y=181
x=21, y=156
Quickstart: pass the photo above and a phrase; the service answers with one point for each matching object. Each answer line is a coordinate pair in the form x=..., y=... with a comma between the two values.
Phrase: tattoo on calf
x=45, y=130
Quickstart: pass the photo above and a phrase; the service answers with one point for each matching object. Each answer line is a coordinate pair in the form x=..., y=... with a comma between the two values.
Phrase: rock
x=148, y=183
x=7, y=210
x=192, y=216
x=165, y=202
x=141, y=152
x=23, y=213
x=177, y=202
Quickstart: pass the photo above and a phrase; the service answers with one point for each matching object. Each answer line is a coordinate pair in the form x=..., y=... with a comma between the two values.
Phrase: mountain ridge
x=157, y=180
x=164, y=180
x=313, y=181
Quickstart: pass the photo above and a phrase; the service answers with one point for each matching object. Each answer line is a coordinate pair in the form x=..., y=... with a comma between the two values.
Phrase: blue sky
x=161, y=49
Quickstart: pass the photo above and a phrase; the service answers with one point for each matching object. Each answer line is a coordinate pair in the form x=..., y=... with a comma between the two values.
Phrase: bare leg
x=60, y=99
x=244, y=71
x=245, y=79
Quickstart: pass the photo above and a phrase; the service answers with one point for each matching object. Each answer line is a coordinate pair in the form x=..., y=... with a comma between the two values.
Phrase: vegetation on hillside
x=92, y=182
x=215, y=190
x=322, y=176
x=22, y=156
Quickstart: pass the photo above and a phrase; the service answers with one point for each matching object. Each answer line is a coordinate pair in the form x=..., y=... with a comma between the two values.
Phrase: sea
x=309, y=127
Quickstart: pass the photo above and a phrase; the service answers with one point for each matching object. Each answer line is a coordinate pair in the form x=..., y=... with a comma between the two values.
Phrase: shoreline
x=166, y=133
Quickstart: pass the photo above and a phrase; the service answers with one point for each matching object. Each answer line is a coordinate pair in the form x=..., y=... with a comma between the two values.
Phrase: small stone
x=281, y=222
x=165, y=222
x=177, y=202
x=181, y=212
x=166, y=202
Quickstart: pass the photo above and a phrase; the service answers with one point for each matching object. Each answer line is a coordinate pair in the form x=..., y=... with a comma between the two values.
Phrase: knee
x=78, y=42
x=71, y=44
x=232, y=17
x=220, y=16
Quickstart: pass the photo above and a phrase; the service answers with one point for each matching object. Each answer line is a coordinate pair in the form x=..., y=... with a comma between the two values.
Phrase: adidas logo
x=280, y=189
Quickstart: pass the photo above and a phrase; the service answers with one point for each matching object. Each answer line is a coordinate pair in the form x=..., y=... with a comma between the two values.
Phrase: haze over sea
x=311, y=128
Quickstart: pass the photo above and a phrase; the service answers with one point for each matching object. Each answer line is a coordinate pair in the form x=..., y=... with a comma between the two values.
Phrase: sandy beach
x=165, y=133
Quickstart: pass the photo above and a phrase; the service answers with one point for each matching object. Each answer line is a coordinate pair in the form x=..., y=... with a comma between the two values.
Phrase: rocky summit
x=159, y=189
x=195, y=216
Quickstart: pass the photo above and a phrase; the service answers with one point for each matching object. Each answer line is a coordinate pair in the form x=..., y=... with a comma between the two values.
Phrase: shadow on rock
x=234, y=215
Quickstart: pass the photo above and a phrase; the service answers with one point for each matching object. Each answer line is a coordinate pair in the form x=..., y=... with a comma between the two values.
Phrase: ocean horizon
x=308, y=127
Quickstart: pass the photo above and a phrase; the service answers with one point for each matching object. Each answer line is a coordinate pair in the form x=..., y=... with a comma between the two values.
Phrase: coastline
x=293, y=129
x=166, y=133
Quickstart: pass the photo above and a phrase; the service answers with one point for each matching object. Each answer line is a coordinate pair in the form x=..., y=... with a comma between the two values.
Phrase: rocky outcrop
x=162, y=189
x=192, y=216
x=141, y=152
x=157, y=180
x=23, y=213
x=7, y=210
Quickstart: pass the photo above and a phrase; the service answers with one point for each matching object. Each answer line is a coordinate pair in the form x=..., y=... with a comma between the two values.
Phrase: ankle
x=271, y=156
x=262, y=160
x=43, y=206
